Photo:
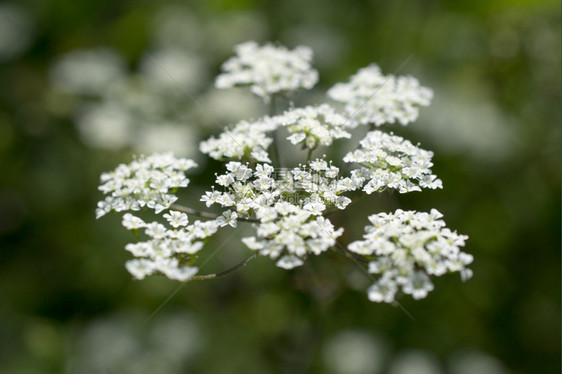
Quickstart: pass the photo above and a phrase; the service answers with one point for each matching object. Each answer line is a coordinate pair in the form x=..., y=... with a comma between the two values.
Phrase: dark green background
x=62, y=272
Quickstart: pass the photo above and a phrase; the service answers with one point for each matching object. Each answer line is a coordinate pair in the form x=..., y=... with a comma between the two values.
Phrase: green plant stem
x=194, y=212
x=276, y=150
x=309, y=155
x=202, y=214
x=226, y=272
x=347, y=253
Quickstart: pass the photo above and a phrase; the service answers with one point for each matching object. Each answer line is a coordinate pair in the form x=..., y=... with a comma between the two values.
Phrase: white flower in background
x=87, y=71
x=268, y=69
x=173, y=70
x=144, y=182
x=230, y=106
x=314, y=125
x=16, y=31
x=173, y=137
x=245, y=140
x=106, y=125
x=373, y=98
x=354, y=352
x=390, y=161
x=407, y=247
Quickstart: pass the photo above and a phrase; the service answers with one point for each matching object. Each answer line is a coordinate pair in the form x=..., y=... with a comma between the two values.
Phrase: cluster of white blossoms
x=289, y=225
x=169, y=251
x=268, y=69
x=314, y=125
x=289, y=208
x=390, y=161
x=146, y=181
x=405, y=248
x=246, y=140
x=373, y=98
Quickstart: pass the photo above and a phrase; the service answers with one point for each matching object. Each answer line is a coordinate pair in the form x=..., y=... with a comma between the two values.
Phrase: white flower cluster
x=268, y=69
x=246, y=140
x=314, y=125
x=406, y=247
x=289, y=207
x=168, y=251
x=373, y=98
x=146, y=181
x=292, y=235
x=390, y=161
x=289, y=226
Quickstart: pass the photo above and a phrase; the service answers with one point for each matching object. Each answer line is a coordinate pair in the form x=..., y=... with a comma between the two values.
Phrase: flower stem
x=226, y=272
x=194, y=212
x=309, y=155
x=276, y=151
x=200, y=213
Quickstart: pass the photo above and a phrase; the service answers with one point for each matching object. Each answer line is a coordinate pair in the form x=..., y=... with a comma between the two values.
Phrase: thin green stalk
x=193, y=212
x=226, y=272
x=276, y=150
x=202, y=214
x=309, y=155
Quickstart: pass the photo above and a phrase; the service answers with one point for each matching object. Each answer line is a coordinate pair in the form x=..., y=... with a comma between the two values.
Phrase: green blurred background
x=68, y=304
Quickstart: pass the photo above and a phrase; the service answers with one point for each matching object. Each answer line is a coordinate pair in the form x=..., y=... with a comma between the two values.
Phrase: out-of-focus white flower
x=87, y=71
x=415, y=362
x=173, y=70
x=175, y=26
x=230, y=106
x=268, y=69
x=469, y=362
x=16, y=31
x=167, y=137
x=106, y=126
x=354, y=352
x=373, y=98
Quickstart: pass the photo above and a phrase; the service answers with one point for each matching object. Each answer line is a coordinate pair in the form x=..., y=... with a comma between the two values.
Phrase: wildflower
x=289, y=208
x=268, y=69
x=245, y=140
x=390, y=161
x=144, y=182
x=407, y=247
x=373, y=98
x=314, y=125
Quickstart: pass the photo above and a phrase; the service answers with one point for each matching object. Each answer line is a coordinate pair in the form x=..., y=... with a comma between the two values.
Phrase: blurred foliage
x=69, y=306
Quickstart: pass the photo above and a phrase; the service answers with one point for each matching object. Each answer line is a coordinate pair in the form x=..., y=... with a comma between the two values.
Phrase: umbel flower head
x=373, y=98
x=407, y=247
x=289, y=206
x=389, y=161
x=314, y=125
x=268, y=69
x=146, y=181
